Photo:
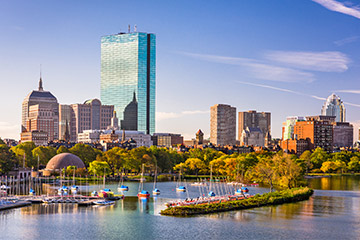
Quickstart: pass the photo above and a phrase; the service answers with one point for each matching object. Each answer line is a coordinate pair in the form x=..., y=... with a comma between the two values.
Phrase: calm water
x=332, y=213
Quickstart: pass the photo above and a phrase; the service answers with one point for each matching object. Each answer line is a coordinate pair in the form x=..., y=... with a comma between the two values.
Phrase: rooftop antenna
x=129, y=28
x=40, y=81
x=135, y=28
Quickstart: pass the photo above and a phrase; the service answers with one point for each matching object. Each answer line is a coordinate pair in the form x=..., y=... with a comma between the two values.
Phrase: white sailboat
x=155, y=191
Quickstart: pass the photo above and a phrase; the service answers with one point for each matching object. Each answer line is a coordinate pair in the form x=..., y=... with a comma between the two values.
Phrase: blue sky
x=281, y=56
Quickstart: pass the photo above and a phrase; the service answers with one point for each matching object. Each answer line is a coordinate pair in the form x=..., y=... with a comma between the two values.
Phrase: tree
x=70, y=170
x=44, y=154
x=99, y=168
x=265, y=171
x=218, y=166
x=7, y=159
x=318, y=157
x=329, y=166
x=305, y=158
x=195, y=164
x=354, y=164
x=62, y=149
x=115, y=158
x=288, y=171
x=85, y=152
x=24, y=150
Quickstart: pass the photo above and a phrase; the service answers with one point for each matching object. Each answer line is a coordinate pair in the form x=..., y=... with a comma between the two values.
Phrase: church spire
x=40, y=82
x=134, y=98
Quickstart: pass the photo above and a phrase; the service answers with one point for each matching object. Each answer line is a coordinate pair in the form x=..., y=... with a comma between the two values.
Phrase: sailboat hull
x=141, y=195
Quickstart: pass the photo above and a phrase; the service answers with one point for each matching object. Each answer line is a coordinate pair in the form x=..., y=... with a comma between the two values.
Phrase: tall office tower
x=334, y=107
x=253, y=119
x=47, y=108
x=222, y=125
x=128, y=78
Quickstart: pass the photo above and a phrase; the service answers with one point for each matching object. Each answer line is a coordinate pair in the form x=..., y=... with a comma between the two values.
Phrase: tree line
x=274, y=168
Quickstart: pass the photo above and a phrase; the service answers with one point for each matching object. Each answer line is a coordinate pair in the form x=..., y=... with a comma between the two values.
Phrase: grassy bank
x=266, y=199
x=333, y=174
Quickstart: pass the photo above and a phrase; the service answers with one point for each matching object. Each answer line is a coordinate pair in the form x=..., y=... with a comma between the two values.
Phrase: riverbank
x=266, y=199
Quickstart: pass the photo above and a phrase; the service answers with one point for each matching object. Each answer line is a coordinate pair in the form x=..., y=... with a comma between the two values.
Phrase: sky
x=285, y=57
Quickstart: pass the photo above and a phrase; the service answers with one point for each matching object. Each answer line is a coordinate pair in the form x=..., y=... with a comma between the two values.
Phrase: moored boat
x=104, y=202
x=181, y=189
x=143, y=194
x=156, y=191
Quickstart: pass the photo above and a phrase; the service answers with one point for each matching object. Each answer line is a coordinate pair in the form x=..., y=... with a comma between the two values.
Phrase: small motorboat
x=74, y=189
x=244, y=189
x=211, y=194
x=104, y=202
x=156, y=191
x=31, y=192
x=143, y=194
x=123, y=188
x=181, y=189
x=94, y=194
x=4, y=187
x=238, y=192
x=105, y=193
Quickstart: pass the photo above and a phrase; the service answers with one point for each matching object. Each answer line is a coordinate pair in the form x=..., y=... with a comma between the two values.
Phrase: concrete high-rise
x=222, y=125
x=252, y=120
x=128, y=73
x=334, y=107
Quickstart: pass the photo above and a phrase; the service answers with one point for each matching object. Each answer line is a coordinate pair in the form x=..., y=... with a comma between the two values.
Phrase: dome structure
x=63, y=160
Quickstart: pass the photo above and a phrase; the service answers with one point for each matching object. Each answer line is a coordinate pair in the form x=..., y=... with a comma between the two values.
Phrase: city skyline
x=272, y=56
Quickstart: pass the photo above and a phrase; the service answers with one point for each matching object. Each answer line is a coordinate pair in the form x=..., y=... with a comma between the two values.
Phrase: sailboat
x=74, y=188
x=211, y=193
x=122, y=188
x=180, y=188
x=142, y=193
x=155, y=191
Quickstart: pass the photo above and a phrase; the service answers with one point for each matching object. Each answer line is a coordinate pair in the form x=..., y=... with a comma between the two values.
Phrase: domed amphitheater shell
x=63, y=160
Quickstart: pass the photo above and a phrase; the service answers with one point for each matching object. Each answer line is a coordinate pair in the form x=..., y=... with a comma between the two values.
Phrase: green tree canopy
x=25, y=150
x=7, y=159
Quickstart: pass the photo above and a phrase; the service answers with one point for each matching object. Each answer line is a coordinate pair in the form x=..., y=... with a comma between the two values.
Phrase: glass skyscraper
x=128, y=78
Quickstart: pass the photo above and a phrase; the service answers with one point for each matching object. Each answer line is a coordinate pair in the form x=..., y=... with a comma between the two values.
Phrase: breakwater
x=266, y=199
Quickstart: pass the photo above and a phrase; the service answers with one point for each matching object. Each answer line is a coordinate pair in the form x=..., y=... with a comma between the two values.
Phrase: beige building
x=40, y=112
x=39, y=138
x=167, y=139
x=252, y=137
x=91, y=115
x=253, y=119
x=222, y=125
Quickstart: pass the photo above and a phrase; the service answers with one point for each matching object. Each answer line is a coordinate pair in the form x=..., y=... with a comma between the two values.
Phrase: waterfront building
x=334, y=106
x=343, y=134
x=317, y=130
x=167, y=139
x=40, y=112
x=252, y=137
x=128, y=78
x=253, y=119
x=222, y=125
x=89, y=136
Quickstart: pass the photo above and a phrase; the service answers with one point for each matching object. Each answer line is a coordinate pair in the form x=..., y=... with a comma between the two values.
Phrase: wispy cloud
x=349, y=91
x=340, y=7
x=293, y=92
x=282, y=90
x=171, y=115
x=346, y=40
x=258, y=68
x=314, y=61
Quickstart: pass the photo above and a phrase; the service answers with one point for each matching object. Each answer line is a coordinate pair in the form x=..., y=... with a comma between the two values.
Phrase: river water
x=333, y=212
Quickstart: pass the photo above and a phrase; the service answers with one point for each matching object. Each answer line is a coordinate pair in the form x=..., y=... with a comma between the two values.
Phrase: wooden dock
x=14, y=205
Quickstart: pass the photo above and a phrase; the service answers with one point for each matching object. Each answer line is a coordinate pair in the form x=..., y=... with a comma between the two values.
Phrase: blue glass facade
x=128, y=67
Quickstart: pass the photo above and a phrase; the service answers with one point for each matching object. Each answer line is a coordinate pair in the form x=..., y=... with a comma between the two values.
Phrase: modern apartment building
x=222, y=125
x=128, y=78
